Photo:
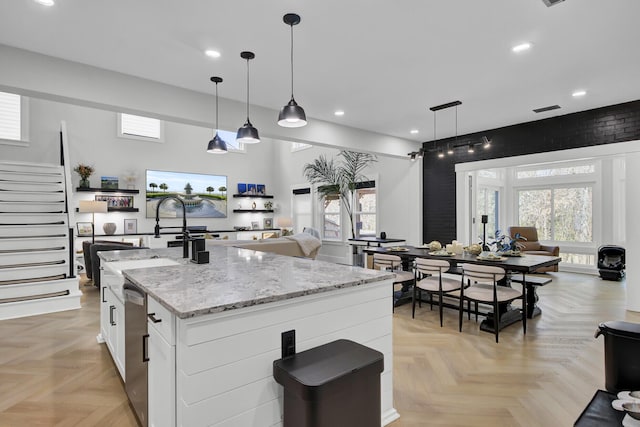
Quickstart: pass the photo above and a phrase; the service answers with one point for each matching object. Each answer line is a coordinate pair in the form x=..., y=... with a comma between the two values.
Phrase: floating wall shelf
x=257, y=196
x=108, y=190
x=252, y=210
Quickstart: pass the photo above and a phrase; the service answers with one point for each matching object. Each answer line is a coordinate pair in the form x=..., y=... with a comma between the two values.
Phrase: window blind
x=140, y=126
x=10, y=115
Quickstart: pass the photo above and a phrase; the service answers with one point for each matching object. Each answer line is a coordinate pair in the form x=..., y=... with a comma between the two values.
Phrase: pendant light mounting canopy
x=291, y=19
x=217, y=145
x=292, y=115
x=247, y=134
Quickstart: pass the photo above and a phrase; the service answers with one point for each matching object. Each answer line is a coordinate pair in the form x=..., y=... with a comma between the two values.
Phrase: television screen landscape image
x=204, y=196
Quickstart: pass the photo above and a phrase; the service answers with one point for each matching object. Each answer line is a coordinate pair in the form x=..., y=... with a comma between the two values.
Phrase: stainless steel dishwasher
x=136, y=350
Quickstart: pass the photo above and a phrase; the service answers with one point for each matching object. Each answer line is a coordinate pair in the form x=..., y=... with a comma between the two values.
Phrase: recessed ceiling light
x=414, y=131
x=212, y=53
x=339, y=113
x=579, y=93
x=521, y=47
x=46, y=2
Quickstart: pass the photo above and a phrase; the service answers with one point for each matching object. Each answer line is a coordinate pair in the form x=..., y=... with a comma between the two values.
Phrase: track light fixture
x=292, y=115
x=247, y=134
x=470, y=149
x=217, y=145
x=420, y=153
x=486, y=142
x=413, y=156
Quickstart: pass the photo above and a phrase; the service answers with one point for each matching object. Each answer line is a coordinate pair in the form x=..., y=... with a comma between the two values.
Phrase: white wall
x=399, y=193
x=56, y=79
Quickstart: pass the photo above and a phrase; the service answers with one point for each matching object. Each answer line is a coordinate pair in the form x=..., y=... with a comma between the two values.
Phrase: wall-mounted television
x=204, y=196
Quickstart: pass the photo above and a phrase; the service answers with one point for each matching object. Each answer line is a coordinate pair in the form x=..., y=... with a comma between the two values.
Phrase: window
x=559, y=213
x=541, y=172
x=299, y=146
x=232, y=142
x=13, y=120
x=331, y=213
x=365, y=209
x=139, y=127
x=487, y=203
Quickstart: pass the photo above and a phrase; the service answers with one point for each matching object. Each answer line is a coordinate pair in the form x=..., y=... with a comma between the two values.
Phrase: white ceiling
x=383, y=62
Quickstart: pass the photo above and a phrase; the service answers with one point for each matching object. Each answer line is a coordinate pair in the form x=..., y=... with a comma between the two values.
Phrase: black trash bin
x=621, y=355
x=332, y=385
x=611, y=262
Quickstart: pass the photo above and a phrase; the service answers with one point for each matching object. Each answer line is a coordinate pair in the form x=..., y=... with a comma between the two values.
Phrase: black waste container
x=332, y=385
x=621, y=355
x=611, y=262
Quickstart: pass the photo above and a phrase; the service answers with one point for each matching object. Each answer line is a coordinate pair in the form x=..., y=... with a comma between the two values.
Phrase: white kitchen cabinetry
x=112, y=318
x=162, y=379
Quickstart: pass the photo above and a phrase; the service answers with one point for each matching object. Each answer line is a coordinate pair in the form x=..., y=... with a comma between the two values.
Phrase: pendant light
x=217, y=144
x=292, y=115
x=247, y=134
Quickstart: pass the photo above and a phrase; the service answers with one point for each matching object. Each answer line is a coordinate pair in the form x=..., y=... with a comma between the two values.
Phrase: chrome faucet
x=185, y=232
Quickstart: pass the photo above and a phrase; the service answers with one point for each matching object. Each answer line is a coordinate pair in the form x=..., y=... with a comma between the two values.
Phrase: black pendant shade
x=217, y=144
x=247, y=134
x=292, y=115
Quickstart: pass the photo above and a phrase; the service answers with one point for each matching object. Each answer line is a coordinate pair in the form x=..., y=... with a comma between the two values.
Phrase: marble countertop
x=236, y=278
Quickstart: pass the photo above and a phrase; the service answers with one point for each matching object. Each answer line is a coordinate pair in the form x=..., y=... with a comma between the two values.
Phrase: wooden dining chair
x=393, y=263
x=483, y=288
x=431, y=277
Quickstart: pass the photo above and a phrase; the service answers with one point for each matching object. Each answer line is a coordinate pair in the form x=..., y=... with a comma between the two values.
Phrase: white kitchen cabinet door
x=162, y=380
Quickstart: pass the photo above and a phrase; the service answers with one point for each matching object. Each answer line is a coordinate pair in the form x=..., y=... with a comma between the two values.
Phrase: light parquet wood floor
x=54, y=373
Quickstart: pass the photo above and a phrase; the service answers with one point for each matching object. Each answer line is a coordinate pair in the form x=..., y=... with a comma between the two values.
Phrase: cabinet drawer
x=162, y=320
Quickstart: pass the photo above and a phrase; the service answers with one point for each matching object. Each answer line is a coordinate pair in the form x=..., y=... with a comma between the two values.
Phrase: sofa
x=533, y=246
x=92, y=261
x=280, y=245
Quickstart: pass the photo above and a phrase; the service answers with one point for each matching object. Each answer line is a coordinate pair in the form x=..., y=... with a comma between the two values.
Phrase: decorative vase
x=84, y=183
x=253, y=206
x=109, y=228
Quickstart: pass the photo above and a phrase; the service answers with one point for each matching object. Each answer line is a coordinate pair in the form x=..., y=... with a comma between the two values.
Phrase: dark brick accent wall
x=606, y=125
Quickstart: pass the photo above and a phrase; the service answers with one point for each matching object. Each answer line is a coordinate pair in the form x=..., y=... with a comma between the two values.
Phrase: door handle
x=145, y=356
x=111, y=309
x=104, y=289
x=153, y=318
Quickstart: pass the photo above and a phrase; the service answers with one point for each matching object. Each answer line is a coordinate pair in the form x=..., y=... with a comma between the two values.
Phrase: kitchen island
x=214, y=329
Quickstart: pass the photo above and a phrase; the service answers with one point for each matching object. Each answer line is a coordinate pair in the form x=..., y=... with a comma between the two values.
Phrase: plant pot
x=84, y=183
x=109, y=228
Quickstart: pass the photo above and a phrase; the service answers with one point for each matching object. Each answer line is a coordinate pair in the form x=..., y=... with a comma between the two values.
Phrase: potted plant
x=85, y=172
x=340, y=178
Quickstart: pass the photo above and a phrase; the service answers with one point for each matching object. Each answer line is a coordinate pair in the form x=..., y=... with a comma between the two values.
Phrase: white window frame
x=232, y=137
x=322, y=214
x=356, y=211
x=23, y=141
x=299, y=146
x=160, y=139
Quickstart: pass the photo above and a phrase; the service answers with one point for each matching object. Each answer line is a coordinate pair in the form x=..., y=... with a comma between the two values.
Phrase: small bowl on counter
x=632, y=409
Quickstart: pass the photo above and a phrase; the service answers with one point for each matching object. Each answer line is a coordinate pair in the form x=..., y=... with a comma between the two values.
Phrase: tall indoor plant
x=340, y=177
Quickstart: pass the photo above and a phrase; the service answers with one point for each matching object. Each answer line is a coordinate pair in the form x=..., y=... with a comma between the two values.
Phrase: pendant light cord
x=216, y=107
x=247, y=90
x=292, y=61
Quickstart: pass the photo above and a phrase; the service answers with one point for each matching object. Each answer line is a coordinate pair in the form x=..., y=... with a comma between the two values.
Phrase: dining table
x=514, y=265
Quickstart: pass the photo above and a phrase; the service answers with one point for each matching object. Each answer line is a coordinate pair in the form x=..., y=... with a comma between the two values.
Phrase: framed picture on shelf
x=84, y=228
x=268, y=223
x=269, y=235
x=242, y=188
x=116, y=201
x=260, y=189
x=255, y=225
x=130, y=226
x=109, y=182
x=251, y=188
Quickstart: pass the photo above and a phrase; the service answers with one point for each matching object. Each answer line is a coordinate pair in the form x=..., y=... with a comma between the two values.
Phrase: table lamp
x=284, y=223
x=94, y=207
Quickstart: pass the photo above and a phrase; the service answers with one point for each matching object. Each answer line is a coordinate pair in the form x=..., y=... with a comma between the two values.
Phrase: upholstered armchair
x=532, y=245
